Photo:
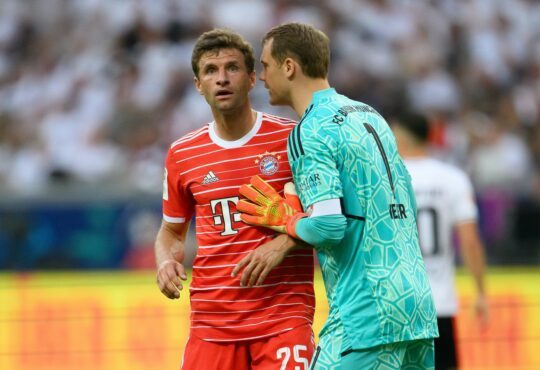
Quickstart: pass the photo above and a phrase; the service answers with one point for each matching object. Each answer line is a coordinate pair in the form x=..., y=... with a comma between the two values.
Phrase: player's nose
x=223, y=77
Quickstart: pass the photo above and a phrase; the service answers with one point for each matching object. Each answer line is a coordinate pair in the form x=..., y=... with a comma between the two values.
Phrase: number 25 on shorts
x=284, y=354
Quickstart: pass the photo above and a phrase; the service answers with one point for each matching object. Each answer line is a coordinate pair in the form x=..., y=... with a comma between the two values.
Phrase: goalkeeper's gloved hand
x=265, y=207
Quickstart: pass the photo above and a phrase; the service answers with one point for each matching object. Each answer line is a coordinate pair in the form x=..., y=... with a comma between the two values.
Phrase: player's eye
x=233, y=68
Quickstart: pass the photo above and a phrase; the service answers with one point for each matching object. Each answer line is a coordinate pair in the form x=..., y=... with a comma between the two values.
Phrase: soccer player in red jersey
x=234, y=325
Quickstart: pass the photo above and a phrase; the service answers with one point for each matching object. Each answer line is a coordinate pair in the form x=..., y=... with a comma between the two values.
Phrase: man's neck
x=232, y=126
x=415, y=153
x=303, y=92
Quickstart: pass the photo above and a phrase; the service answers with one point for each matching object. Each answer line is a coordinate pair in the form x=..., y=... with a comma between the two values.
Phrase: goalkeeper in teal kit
x=360, y=214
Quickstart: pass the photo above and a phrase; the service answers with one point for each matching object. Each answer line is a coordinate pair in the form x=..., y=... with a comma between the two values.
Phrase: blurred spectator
x=68, y=75
x=92, y=91
x=498, y=158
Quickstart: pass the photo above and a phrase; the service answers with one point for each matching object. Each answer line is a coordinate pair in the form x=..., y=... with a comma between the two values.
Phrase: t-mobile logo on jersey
x=226, y=218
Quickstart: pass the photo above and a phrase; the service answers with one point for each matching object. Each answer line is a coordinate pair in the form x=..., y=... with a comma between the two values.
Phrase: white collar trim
x=229, y=144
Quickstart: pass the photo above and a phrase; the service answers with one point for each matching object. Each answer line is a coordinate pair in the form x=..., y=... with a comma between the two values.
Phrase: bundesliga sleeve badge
x=268, y=163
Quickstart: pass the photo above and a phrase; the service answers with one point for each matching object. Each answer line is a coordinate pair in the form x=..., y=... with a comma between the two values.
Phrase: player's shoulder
x=446, y=173
x=192, y=138
x=271, y=122
x=451, y=170
x=316, y=126
x=337, y=109
x=316, y=117
x=277, y=120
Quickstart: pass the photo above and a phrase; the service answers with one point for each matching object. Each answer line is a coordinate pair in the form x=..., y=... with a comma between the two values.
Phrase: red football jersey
x=203, y=175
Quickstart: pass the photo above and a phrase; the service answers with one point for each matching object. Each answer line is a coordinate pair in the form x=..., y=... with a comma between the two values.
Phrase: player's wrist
x=291, y=224
x=165, y=262
x=286, y=242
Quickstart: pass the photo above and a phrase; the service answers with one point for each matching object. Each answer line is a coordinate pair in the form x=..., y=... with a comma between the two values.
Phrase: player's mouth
x=223, y=94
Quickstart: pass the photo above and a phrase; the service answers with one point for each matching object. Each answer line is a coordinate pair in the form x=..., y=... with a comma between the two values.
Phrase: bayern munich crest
x=268, y=163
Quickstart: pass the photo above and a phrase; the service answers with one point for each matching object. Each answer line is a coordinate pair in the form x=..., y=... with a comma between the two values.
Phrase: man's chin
x=226, y=107
x=275, y=101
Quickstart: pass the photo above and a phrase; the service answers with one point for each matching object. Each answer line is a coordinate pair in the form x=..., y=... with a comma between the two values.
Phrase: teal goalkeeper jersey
x=377, y=288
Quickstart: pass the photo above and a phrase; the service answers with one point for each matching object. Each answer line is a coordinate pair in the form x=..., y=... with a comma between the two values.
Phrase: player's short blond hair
x=217, y=39
x=307, y=45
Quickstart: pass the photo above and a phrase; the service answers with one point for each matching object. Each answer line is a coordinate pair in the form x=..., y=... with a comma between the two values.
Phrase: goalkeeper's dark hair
x=415, y=123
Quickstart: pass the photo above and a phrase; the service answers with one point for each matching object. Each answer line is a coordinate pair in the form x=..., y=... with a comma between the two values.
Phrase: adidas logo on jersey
x=210, y=178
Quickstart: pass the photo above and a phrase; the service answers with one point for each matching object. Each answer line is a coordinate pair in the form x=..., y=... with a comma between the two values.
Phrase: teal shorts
x=327, y=355
x=408, y=355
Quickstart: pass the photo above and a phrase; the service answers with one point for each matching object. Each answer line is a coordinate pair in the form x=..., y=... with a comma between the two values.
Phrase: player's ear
x=198, y=85
x=290, y=67
x=252, y=79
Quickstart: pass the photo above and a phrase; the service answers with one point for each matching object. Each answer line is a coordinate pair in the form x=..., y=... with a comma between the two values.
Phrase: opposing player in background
x=233, y=327
x=445, y=201
x=361, y=209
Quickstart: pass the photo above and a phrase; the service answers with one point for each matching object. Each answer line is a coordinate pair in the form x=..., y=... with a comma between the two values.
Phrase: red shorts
x=291, y=350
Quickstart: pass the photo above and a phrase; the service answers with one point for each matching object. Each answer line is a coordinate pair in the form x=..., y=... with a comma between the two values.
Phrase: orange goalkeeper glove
x=265, y=207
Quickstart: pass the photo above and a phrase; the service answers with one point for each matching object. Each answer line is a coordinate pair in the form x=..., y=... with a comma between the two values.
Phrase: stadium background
x=93, y=91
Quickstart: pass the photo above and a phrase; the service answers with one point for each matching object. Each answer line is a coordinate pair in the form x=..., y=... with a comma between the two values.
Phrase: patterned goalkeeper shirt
x=375, y=278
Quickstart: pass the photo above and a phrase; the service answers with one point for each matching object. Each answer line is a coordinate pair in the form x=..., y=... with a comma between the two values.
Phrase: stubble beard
x=275, y=99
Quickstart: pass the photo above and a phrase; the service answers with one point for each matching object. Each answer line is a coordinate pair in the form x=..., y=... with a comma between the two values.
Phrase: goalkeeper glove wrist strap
x=291, y=224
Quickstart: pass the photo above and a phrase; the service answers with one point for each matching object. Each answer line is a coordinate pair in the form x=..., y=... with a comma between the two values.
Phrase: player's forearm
x=165, y=252
x=285, y=243
x=290, y=244
x=322, y=231
x=473, y=254
x=474, y=259
x=169, y=245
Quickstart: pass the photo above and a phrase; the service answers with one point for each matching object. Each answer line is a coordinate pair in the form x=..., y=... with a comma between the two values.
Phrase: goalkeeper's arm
x=263, y=206
x=323, y=226
x=326, y=225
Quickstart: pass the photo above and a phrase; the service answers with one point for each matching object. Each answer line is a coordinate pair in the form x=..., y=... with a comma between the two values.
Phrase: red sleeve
x=177, y=200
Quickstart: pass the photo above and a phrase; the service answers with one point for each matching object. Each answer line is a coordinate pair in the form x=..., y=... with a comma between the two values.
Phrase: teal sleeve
x=322, y=231
x=312, y=149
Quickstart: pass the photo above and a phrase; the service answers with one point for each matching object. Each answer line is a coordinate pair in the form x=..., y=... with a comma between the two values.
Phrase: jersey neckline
x=229, y=144
x=322, y=94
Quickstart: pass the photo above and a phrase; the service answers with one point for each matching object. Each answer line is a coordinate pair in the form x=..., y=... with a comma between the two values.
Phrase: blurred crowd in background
x=92, y=92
